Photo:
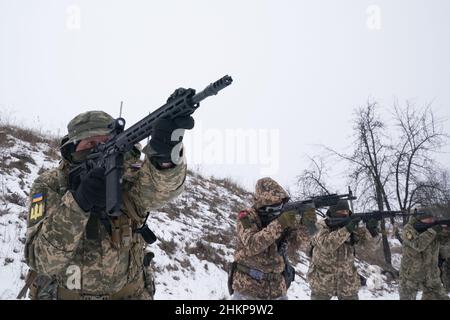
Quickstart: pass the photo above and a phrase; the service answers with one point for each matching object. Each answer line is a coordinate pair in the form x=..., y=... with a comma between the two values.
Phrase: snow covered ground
x=195, y=232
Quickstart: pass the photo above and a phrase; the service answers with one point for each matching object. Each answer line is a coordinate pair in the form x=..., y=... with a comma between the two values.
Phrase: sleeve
x=300, y=238
x=55, y=228
x=153, y=187
x=444, y=237
x=256, y=241
x=331, y=241
x=417, y=241
x=366, y=241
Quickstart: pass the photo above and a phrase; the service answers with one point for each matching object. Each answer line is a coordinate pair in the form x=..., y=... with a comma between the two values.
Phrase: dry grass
x=23, y=157
x=5, y=141
x=25, y=134
x=168, y=247
x=185, y=264
x=15, y=199
x=205, y=252
x=52, y=153
x=232, y=186
x=4, y=211
x=8, y=260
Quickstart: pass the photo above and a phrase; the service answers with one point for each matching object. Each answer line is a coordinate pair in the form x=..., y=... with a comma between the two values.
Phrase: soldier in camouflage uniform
x=74, y=250
x=261, y=269
x=419, y=267
x=332, y=270
x=444, y=254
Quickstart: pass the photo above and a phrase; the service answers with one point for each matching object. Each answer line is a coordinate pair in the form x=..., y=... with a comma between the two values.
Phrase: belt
x=126, y=292
x=258, y=274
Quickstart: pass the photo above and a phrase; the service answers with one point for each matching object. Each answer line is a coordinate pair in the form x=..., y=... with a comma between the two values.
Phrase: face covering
x=269, y=213
x=80, y=156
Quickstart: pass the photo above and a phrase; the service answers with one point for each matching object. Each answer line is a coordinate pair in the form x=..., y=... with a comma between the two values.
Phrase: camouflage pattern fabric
x=257, y=248
x=419, y=266
x=86, y=125
x=268, y=192
x=332, y=270
x=239, y=296
x=58, y=248
x=328, y=296
x=445, y=268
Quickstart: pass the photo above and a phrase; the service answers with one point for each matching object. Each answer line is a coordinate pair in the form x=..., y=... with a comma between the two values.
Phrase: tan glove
x=288, y=220
x=309, y=219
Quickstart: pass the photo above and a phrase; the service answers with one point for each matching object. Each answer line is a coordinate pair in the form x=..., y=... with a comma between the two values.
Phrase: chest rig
x=123, y=230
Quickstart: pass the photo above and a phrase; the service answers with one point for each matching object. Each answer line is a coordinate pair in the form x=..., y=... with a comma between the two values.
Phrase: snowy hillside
x=195, y=232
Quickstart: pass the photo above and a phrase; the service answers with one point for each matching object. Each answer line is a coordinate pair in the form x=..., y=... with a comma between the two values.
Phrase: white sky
x=300, y=67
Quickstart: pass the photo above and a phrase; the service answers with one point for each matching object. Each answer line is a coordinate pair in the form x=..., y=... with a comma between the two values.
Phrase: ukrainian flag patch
x=37, y=197
x=37, y=208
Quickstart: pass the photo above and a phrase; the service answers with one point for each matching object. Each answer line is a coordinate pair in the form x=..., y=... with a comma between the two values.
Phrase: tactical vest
x=124, y=231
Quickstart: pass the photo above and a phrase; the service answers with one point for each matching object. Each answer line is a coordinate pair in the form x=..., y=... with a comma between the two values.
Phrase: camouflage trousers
x=432, y=290
x=239, y=296
x=445, y=276
x=315, y=295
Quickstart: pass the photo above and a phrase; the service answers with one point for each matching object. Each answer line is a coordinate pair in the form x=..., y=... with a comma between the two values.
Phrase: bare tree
x=434, y=190
x=389, y=169
x=370, y=165
x=312, y=181
x=421, y=135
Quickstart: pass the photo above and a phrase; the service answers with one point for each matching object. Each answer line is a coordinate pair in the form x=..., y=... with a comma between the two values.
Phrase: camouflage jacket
x=57, y=246
x=444, y=250
x=257, y=249
x=332, y=268
x=420, y=253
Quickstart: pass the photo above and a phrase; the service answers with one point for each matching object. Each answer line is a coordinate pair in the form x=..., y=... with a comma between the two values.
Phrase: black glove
x=91, y=191
x=161, y=142
x=438, y=228
x=351, y=226
x=372, y=227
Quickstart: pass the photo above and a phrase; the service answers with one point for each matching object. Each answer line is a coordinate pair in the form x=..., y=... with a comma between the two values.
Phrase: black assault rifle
x=422, y=226
x=340, y=222
x=316, y=202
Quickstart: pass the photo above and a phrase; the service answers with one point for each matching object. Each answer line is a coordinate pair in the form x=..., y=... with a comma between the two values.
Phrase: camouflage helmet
x=268, y=192
x=88, y=124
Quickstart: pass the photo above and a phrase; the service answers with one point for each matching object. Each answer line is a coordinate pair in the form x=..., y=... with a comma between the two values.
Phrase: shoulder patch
x=242, y=214
x=37, y=209
x=245, y=219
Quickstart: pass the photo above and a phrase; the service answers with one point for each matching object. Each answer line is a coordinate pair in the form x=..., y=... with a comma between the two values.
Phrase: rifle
x=110, y=155
x=422, y=226
x=340, y=222
x=316, y=202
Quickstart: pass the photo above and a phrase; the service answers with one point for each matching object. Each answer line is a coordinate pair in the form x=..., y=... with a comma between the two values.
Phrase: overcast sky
x=299, y=69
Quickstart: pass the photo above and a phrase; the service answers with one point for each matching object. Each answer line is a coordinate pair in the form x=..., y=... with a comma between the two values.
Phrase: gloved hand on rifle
x=372, y=227
x=352, y=225
x=438, y=228
x=91, y=192
x=162, y=141
x=309, y=219
x=288, y=220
